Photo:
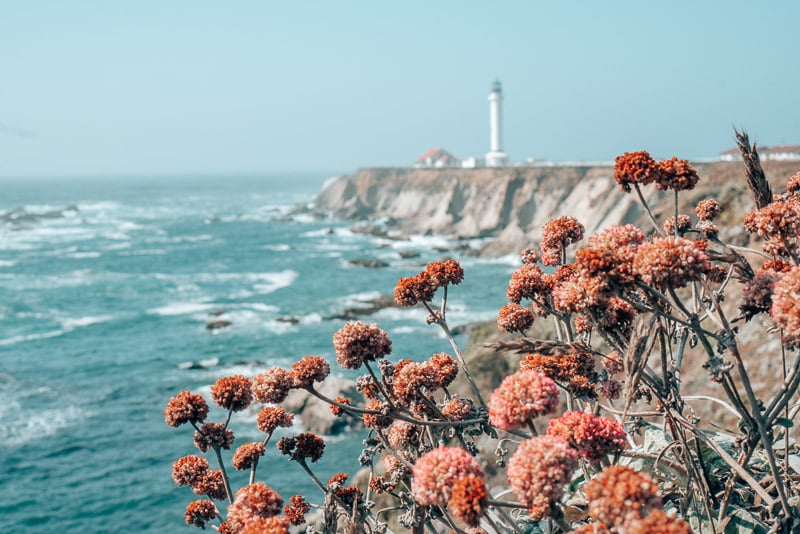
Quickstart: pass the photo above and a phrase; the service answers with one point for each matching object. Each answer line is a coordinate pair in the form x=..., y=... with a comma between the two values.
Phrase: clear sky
x=185, y=86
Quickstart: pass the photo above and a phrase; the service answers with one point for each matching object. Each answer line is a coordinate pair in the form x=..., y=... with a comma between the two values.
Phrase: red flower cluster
x=779, y=223
x=213, y=436
x=272, y=386
x=684, y=224
x=468, y=499
x=409, y=376
x=374, y=420
x=785, y=309
x=302, y=446
x=296, y=510
x=619, y=492
x=253, y=502
x=708, y=210
x=457, y=408
x=514, y=318
x=436, y=472
x=185, y=407
x=520, y=398
x=308, y=370
x=575, y=370
x=187, y=471
x=538, y=471
x=402, y=435
x=272, y=417
x=267, y=525
x=232, y=393
x=198, y=513
x=527, y=282
x=357, y=342
x=556, y=235
x=593, y=437
x=671, y=261
x=247, y=455
x=676, y=174
x=445, y=272
x=757, y=294
x=635, y=168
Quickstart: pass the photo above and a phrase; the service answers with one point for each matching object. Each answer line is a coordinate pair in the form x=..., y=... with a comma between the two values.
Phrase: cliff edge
x=508, y=206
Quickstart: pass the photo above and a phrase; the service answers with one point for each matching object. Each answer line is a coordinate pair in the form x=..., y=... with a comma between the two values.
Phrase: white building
x=766, y=153
x=496, y=157
x=437, y=157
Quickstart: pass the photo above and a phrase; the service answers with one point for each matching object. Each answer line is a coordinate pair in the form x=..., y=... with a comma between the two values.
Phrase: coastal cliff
x=507, y=207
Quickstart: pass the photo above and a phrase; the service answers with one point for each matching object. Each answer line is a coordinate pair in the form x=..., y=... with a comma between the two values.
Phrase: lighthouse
x=496, y=157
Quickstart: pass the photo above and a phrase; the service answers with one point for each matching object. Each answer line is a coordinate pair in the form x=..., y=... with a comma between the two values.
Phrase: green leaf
x=786, y=423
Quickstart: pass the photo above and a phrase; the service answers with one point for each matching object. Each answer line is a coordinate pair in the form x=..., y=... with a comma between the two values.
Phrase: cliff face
x=510, y=205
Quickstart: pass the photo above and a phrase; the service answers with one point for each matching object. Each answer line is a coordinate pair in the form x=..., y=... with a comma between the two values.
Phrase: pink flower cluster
x=538, y=471
x=592, y=437
x=435, y=473
x=253, y=502
x=514, y=318
x=520, y=398
x=357, y=342
x=785, y=309
x=671, y=261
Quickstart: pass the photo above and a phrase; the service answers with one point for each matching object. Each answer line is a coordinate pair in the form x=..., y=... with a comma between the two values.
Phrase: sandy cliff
x=509, y=205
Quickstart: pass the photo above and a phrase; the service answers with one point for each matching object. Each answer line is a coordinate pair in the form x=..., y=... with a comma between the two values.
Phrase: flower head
x=272, y=417
x=302, y=446
x=575, y=370
x=308, y=370
x=247, y=455
x=357, y=342
x=619, y=491
x=443, y=273
x=232, y=393
x=272, y=386
x=457, y=408
x=560, y=232
x=296, y=510
x=441, y=370
x=213, y=436
x=591, y=436
x=198, y=513
x=267, y=525
x=402, y=435
x=670, y=261
x=514, y=318
x=413, y=289
x=469, y=498
x=785, y=309
x=657, y=521
x=538, y=471
x=189, y=469
x=707, y=210
x=684, y=224
x=253, y=502
x=185, y=407
x=437, y=470
x=757, y=294
x=527, y=282
x=676, y=174
x=211, y=484
x=520, y=398
x=635, y=168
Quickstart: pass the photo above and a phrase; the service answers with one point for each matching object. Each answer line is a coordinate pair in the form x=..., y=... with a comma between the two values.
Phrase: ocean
x=106, y=286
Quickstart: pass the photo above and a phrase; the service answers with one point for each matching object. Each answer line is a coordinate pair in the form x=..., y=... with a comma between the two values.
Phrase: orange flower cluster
x=232, y=393
x=357, y=342
x=185, y=407
x=247, y=455
x=422, y=287
x=514, y=318
x=640, y=168
x=575, y=371
x=620, y=498
x=556, y=235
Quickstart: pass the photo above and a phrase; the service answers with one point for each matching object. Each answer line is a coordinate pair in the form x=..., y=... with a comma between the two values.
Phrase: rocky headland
x=505, y=208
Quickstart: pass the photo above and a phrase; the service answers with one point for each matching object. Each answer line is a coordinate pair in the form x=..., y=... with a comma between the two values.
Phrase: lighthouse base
x=496, y=159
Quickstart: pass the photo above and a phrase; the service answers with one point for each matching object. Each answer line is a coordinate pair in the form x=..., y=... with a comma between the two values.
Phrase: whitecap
x=283, y=247
x=32, y=337
x=83, y=255
x=19, y=426
x=181, y=308
x=78, y=322
x=7, y=263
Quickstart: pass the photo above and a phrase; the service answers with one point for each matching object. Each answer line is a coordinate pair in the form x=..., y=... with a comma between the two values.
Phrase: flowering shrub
x=623, y=450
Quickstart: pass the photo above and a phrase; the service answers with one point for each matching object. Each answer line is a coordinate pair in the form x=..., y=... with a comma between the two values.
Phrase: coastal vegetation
x=594, y=429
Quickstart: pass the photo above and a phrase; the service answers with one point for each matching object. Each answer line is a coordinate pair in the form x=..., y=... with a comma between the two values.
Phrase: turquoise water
x=104, y=307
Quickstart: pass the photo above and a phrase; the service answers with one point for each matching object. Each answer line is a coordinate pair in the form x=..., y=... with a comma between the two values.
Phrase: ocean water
x=106, y=286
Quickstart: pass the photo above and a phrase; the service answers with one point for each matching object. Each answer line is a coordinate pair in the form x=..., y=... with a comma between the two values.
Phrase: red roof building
x=437, y=157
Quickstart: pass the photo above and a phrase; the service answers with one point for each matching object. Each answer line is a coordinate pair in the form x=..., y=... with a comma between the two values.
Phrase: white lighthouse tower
x=496, y=157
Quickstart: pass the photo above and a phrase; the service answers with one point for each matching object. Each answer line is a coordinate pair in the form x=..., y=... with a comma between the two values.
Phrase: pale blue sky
x=170, y=86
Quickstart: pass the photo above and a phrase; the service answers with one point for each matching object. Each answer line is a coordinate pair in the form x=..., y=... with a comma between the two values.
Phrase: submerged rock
x=315, y=414
x=216, y=325
x=370, y=263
